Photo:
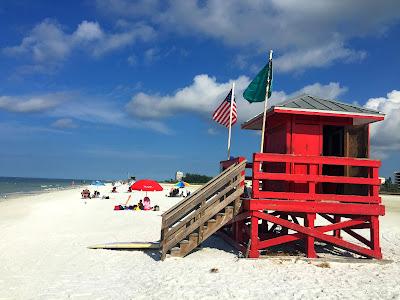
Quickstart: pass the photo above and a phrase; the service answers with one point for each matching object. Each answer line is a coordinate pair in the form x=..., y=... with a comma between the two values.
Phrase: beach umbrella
x=146, y=185
x=182, y=184
x=97, y=183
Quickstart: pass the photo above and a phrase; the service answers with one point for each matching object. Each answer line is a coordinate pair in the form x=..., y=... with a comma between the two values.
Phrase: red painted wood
x=319, y=235
x=254, y=238
x=280, y=240
x=317, y=178
x=297, y=236
x=336, y=219
x=310, y=248
x=319, y=113
x=374, y=190
x=375, y=236
x=315, y=197
x=314, y=207
x=329, y=160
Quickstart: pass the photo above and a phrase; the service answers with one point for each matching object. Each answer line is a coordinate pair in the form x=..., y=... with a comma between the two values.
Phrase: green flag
x=256, y=90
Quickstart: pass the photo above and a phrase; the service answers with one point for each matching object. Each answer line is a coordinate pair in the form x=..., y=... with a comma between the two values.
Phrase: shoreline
x=17, y=195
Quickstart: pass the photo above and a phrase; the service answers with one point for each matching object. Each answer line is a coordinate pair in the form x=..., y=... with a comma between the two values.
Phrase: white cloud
x=70, y=106
x=97, y=110
x=30, y=104
x=205, y=94
x=65, y=123
x=88, y=31
x=330, y=90
x=47, y=45
x=317, y=57
x=385, y=134
x=313, y=34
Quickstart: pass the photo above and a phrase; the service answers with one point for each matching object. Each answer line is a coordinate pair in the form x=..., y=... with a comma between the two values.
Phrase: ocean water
x=14, y=186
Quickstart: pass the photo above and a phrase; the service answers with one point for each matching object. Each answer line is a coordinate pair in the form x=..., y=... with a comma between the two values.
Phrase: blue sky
x=96, y=89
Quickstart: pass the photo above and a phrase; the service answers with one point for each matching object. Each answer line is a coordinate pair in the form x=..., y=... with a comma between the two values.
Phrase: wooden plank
x=305, y=159
x=198, y=194
x=317, y=207
x=127, y=245
x=200, y=222
x=195, y=214
x=316, y=197
x=317, y=234
x=280, y=240
x=210, y=231
x=206, y=192
x=297, y=236
x=186, y=208
x=194, y=194
x=349, y=230
x=316, y=178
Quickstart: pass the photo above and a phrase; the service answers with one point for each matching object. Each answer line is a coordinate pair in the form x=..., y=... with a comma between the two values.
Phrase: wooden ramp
x=190, y=222
x=127, y=245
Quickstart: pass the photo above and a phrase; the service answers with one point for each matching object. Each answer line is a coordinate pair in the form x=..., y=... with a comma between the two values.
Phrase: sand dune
x=44, y=255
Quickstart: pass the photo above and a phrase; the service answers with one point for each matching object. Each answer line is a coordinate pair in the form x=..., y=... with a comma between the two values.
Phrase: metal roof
x=316, y=103
x=307, y=102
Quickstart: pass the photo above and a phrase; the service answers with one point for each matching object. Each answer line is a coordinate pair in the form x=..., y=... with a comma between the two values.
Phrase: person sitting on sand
x=146, y=204
x=135, y=207
x=140, y=205
x=85, y=194
x=114, y=189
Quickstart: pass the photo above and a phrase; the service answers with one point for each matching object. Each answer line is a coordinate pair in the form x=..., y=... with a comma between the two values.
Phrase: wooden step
x=194, y=238
x=229, y=211
x=211, y=224
x=220, y=217
x=184, y=246
x=176, y=252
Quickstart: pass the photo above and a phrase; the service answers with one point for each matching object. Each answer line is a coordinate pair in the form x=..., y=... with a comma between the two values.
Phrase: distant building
x=382, y=179
x=179, y=175
x=397, y=178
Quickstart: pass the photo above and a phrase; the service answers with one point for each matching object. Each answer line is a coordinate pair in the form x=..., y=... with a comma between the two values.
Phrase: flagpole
x=265, y=103
x=230, y=120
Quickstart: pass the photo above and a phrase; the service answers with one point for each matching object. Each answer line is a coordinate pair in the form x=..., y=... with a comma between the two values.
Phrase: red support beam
x=313, y=232
x=326, y=160
x=314, y=207
x=280, y=240
x=314, y=197
x=297, y=236
x=309, y=223
x=254, y=238
x=375, y=236
x=349, y=230
x=316, y=178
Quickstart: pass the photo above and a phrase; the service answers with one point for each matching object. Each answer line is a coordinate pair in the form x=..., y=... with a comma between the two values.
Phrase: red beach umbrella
x=146, y=185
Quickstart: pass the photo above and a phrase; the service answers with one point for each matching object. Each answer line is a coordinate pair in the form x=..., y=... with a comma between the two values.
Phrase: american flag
x=222, y=113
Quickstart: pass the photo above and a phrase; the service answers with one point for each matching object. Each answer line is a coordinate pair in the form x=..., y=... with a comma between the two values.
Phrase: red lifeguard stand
x=315, y=164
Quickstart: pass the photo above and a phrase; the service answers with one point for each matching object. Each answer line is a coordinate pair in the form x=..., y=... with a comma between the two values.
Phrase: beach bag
x=156, y=208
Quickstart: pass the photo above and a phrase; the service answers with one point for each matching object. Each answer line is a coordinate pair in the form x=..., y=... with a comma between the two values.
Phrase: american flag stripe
x=222, y=113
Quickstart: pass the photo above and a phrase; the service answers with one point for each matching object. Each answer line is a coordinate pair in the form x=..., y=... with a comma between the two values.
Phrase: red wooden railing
x=284, y=166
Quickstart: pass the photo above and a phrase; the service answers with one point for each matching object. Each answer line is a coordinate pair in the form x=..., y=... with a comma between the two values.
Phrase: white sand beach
x=44, y=255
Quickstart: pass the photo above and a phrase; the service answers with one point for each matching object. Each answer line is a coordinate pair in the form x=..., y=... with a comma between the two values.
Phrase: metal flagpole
x=266, y=99
x=230, y=120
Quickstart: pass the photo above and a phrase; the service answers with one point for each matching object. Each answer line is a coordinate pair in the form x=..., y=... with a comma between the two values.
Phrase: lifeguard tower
x=315, y=164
